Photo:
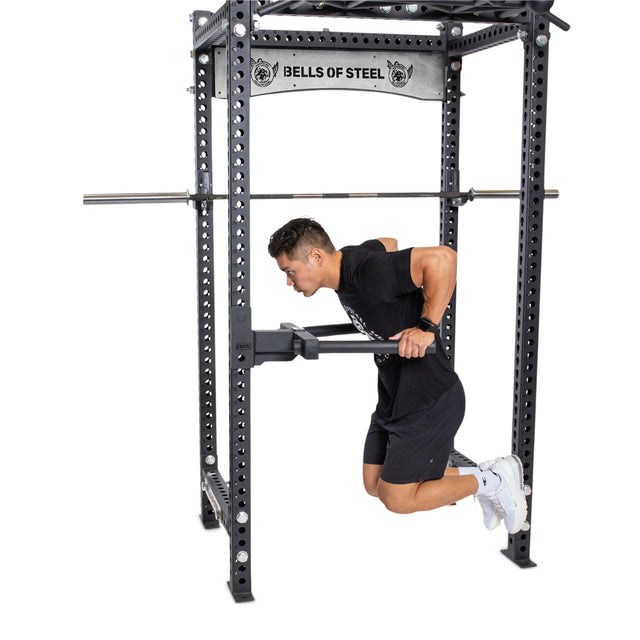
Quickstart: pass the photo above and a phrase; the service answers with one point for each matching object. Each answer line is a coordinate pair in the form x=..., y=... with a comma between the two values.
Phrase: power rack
x=235, y=60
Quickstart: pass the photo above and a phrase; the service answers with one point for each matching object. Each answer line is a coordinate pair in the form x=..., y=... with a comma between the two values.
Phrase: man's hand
x=413, y=342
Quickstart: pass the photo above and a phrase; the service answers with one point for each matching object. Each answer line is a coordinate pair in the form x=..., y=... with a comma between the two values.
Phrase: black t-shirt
x=378, y=294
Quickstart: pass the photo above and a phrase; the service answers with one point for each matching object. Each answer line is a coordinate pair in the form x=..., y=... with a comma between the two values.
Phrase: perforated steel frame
x=536, y=70
x=450, y=173
x=229, y=503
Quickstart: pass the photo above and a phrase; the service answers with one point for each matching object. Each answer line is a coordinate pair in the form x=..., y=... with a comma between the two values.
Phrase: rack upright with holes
x=233, y=28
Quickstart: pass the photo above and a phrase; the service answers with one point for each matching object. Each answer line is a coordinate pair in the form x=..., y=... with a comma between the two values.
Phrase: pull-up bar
x=186, y=197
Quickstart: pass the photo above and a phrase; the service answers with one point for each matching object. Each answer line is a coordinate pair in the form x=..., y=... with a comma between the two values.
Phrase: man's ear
x=316, y=256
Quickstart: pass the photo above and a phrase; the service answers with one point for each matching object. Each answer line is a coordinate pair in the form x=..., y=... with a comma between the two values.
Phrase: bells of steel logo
x=262, y=73
x=399, y=75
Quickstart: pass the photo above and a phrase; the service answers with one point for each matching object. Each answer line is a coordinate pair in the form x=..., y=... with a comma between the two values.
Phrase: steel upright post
x=536, y=68
x=450, y=172
x=240, y=333
x=203, y=86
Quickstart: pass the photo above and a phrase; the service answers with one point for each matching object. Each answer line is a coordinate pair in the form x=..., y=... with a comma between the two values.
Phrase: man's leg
x=424, y=496
x=371, y=478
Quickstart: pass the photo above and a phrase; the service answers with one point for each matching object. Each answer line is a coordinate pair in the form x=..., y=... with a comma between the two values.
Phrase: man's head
x=305, y=253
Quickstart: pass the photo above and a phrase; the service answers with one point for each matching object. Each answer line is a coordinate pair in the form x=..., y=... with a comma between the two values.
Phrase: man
x=402, y=295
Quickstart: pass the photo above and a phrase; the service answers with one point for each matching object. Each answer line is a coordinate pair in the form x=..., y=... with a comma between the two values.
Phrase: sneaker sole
x=517, y=493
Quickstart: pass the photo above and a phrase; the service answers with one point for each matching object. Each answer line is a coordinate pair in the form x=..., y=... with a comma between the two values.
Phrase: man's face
x=304, y=276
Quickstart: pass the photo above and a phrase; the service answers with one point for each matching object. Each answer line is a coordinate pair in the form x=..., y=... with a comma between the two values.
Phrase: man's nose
x=289, y=281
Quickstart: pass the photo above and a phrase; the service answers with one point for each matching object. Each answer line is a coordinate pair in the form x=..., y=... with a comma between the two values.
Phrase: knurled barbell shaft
x=186, y=197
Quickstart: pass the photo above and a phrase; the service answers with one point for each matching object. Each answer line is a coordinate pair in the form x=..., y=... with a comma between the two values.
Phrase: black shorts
x=416, y=447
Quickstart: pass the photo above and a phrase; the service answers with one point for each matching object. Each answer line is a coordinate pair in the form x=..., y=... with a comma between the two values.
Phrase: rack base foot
x=241, y=597
x=523, y=564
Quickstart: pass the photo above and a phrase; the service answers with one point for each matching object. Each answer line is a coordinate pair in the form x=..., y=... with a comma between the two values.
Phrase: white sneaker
x=509, y=499
x=492, y=518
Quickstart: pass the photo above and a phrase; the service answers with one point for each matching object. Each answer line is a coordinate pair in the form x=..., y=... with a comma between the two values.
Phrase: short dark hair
x=299, y=235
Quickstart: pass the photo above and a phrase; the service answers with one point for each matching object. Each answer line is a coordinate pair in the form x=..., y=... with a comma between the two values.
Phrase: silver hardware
x=242, y=556
x=191, y=90
x=456, y=32
x=522, y=35
x=412, y=8
x=202, y=20
x=210, y=459
x=242, y=517
x=203, y=58
x=239, y=30
x=542, y=40
x=456, y=65
x=212, y=500
x=440, y=26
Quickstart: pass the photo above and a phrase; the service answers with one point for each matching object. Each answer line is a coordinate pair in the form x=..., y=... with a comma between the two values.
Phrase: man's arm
x=433, y=269
x=390, y=244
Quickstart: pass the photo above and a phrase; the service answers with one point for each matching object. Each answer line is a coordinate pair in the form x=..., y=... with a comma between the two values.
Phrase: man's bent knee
x=397, y=498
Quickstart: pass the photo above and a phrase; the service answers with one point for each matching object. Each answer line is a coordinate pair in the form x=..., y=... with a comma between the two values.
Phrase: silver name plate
x=417, y=74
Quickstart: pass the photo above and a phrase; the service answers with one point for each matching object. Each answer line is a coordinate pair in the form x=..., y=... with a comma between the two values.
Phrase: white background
x=99, y=453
